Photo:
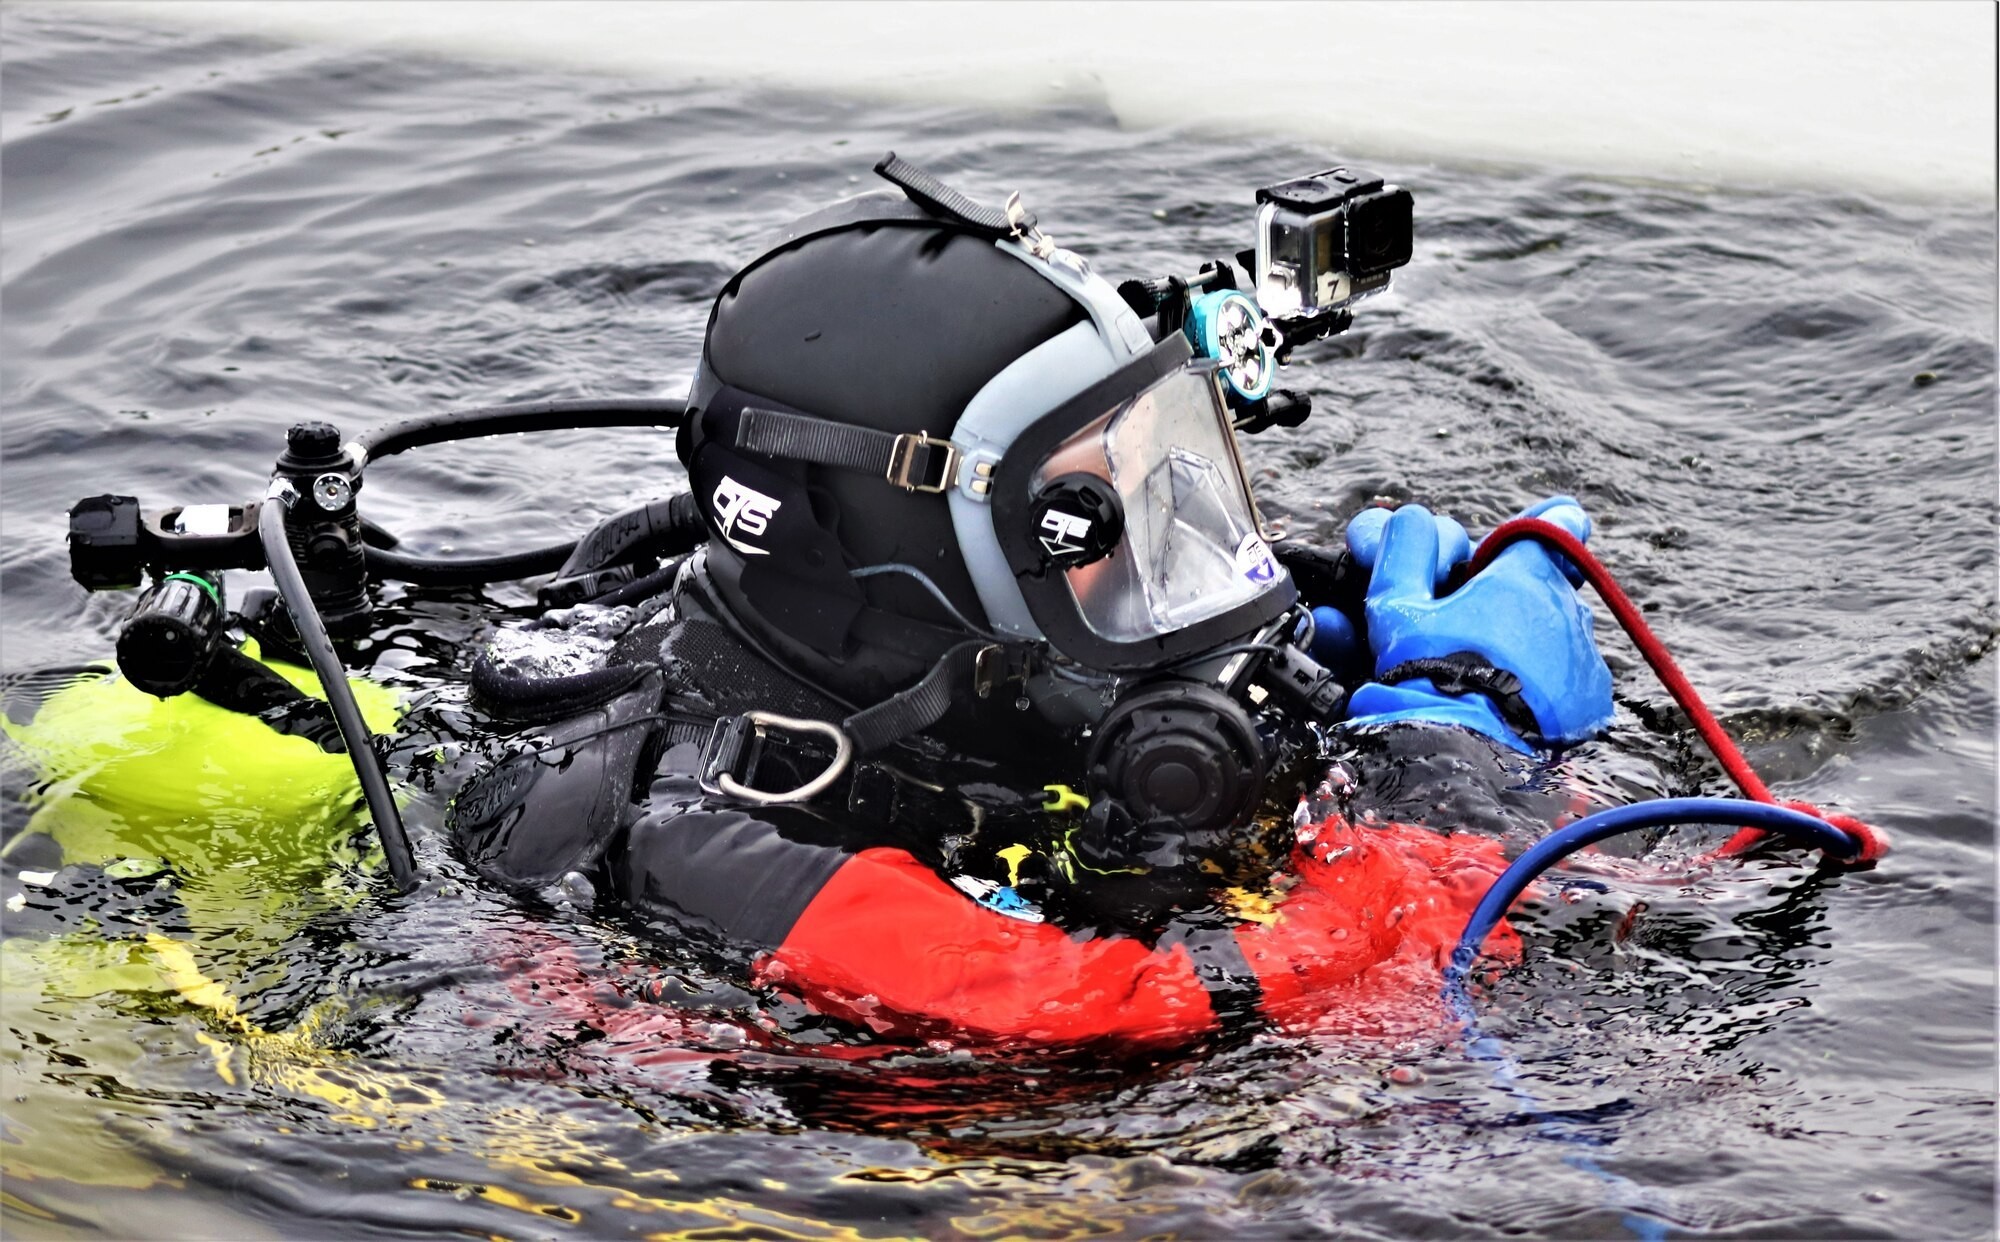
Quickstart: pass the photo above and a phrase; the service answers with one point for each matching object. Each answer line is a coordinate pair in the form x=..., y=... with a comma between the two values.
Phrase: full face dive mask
x=1077, y=498
x=1127, y=528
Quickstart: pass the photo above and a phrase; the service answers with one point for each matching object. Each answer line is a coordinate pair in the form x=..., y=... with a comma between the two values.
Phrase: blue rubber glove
x=1519, y=616
x=1335, y=642
x=1365, y=531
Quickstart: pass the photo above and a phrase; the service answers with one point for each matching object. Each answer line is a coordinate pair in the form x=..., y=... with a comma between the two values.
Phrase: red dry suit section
x=1360, y=942
x=1353, y=937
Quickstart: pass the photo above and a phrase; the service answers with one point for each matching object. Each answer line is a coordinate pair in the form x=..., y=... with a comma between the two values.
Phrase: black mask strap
x=915, y=463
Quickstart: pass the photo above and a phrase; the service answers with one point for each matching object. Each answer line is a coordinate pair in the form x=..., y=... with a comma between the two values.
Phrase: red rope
x=1872, y=843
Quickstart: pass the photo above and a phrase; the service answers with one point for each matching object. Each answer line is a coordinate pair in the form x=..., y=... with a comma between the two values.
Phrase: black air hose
x=522, y=416
x=496, y=420
x=640, y=588
x=668, y=527
x=521, y=696
x=333, y=680
x=466, y=570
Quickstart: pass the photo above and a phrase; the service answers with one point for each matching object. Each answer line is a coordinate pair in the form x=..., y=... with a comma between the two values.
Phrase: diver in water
x=987, y=656
x=972, y=700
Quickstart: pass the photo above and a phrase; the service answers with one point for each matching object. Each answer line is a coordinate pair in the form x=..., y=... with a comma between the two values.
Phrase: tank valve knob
x=313, y=441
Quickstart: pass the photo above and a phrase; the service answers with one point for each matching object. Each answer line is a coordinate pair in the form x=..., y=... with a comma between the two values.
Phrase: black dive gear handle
x=112, y=542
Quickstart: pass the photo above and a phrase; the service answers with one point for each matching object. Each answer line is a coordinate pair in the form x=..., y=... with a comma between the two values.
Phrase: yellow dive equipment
x=121, y=773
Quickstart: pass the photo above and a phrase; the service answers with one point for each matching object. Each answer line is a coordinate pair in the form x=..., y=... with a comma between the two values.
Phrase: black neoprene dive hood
x=892, y=325
x=918, y=431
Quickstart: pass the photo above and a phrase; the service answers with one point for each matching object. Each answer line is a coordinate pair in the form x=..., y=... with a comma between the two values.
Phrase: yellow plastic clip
x=1063, y=798
x=1014, y=856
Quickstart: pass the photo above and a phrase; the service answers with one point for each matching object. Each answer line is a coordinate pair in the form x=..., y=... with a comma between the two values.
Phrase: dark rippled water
x=1779, y=405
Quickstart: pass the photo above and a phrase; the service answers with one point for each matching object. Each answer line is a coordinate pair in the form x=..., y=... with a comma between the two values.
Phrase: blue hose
x=1660, y=813
x=1665, y=812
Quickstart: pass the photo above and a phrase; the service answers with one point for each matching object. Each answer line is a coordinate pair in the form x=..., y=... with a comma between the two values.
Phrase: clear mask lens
x=1191, y=548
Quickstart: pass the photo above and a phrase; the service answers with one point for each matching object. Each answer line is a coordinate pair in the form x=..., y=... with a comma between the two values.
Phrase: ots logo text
x=1064, y=534
x=745, y=511
x=1255, y=562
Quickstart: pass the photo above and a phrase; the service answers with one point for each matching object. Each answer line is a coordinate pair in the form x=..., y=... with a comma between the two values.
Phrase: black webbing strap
x=940, y=199
x=804, y=438
x=919, y=707
x=911, y=462
x=1463, y=672
x=685, y=730
x=919, y=639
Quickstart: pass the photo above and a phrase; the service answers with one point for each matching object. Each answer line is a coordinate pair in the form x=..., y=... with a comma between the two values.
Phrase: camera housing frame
x=1328, y=239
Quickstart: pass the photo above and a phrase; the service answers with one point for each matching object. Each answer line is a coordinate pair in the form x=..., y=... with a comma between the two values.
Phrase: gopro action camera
x=1327, y=239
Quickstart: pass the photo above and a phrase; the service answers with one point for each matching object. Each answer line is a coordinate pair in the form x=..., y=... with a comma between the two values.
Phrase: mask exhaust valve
x=1180, y=752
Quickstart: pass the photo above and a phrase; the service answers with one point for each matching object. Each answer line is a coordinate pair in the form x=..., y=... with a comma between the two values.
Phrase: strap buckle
x=995, y=665
x=735, y=737
x=905, y=472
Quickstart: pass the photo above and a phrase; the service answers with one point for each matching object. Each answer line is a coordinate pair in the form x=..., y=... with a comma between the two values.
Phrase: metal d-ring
x=843, y=754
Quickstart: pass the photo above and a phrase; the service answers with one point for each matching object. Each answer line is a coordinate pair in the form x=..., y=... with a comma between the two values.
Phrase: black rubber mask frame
x=1048, y=595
